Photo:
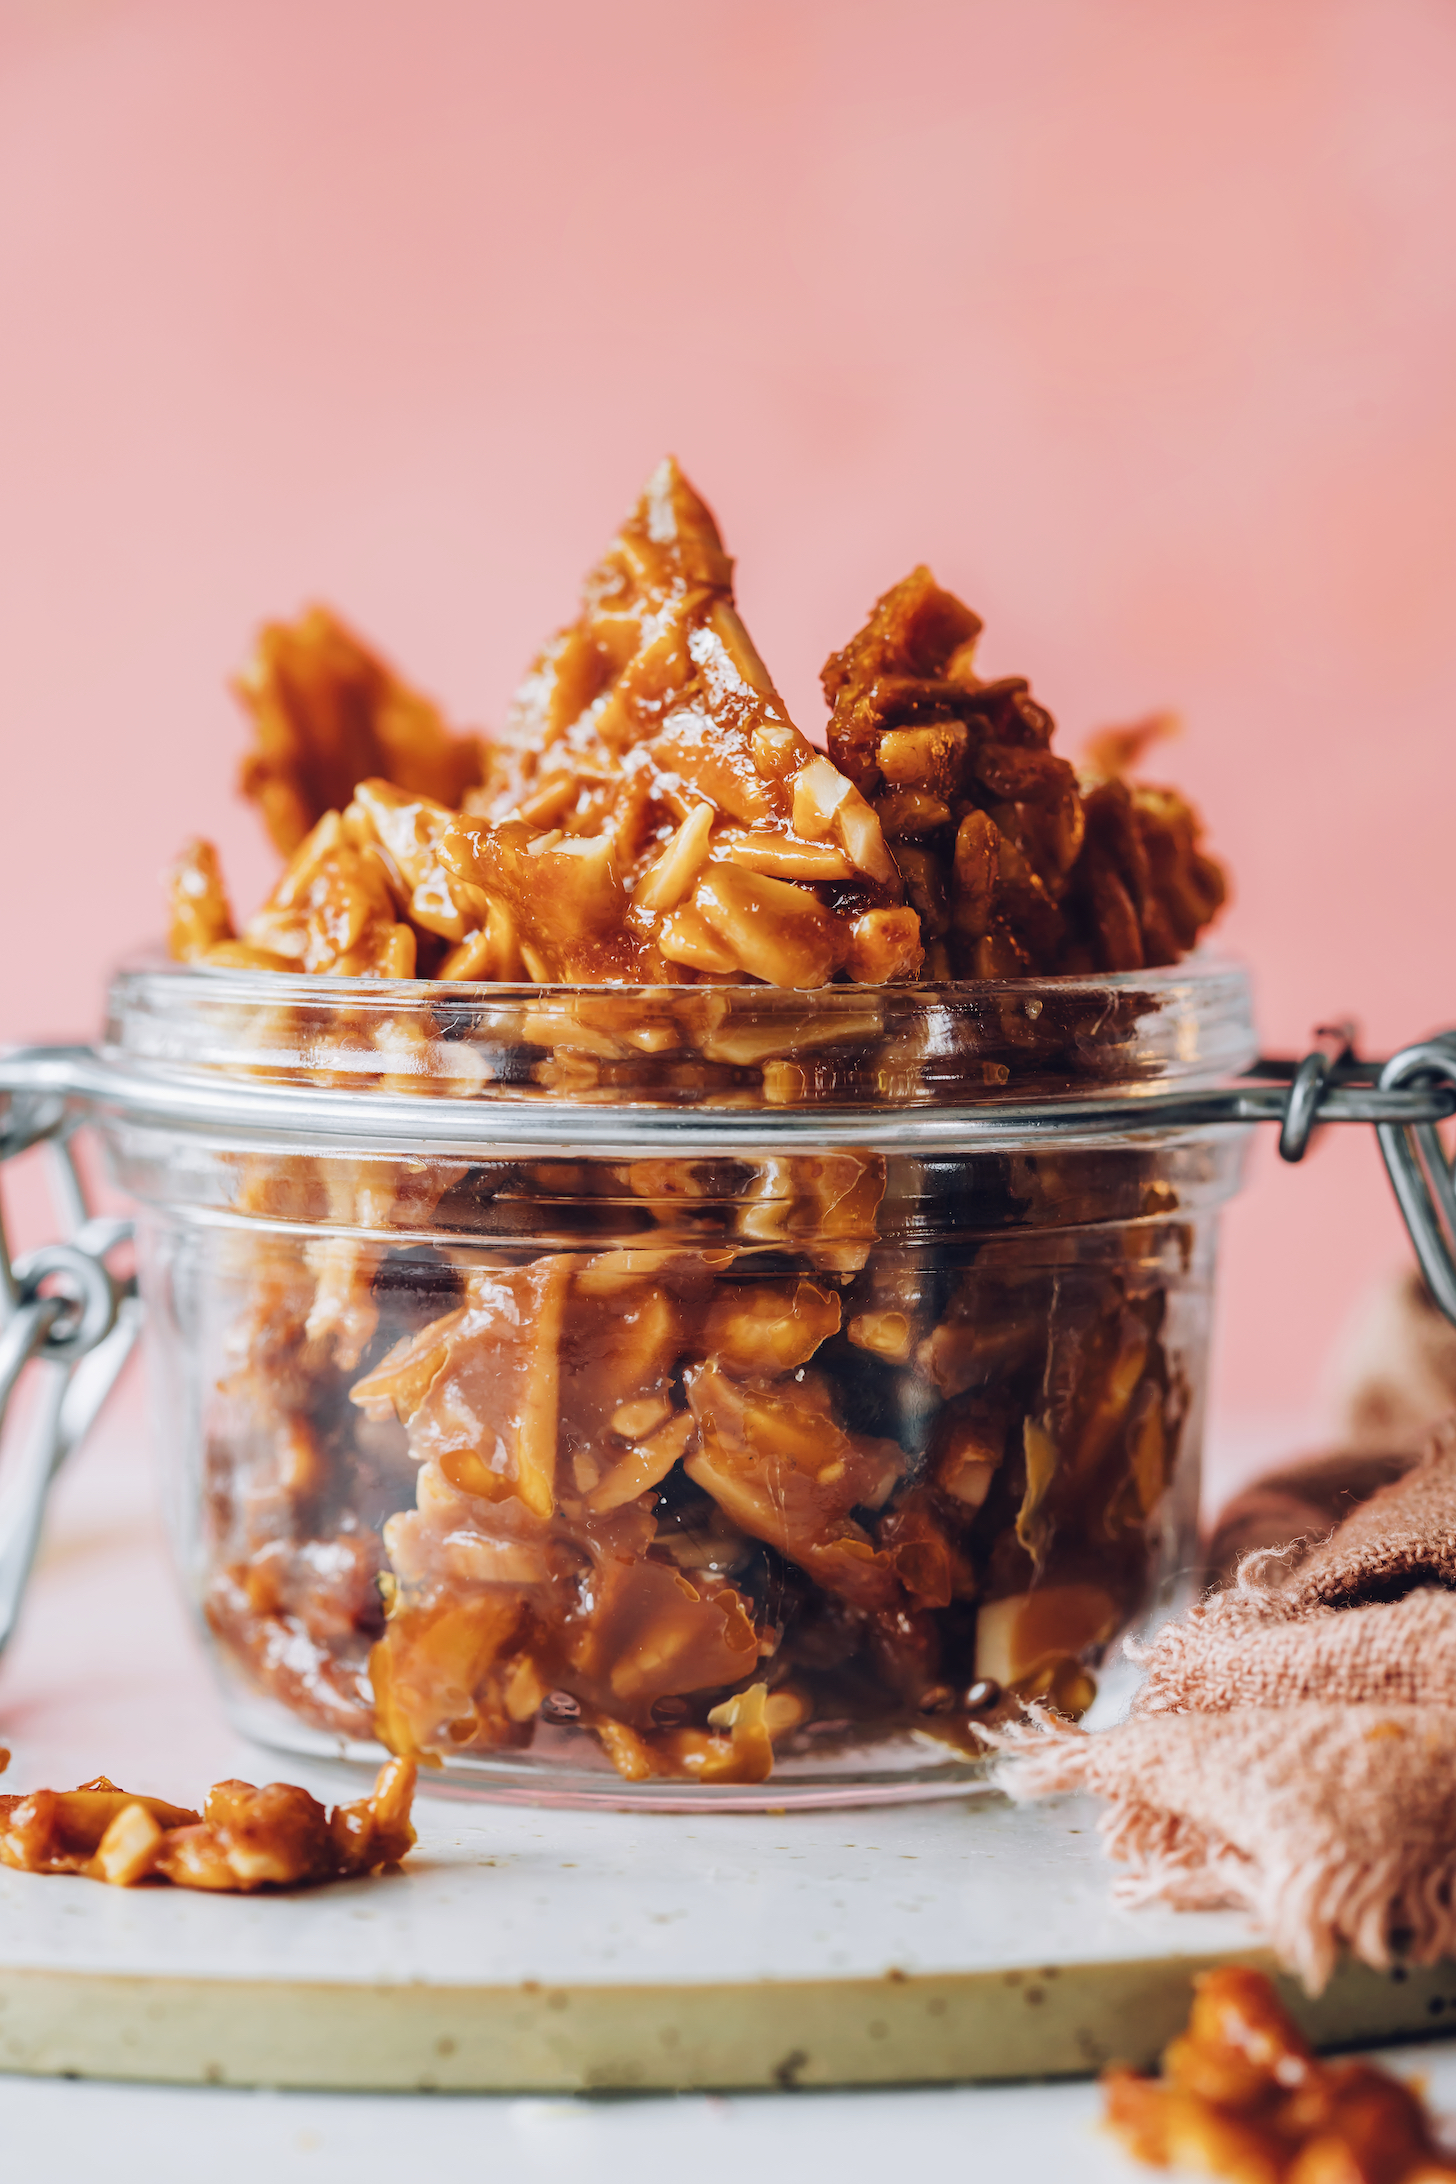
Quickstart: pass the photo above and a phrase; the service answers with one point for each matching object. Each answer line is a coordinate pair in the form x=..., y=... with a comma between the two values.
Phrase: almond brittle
x=1242, y=2095
x=1015, y=866
x=707, y=1460
x=244, y=1839
x=327, y=713
x=622, y=1485
x=651, y=815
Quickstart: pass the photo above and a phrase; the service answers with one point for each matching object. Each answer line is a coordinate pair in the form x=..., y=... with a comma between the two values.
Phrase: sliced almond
x=647, y=1464
x=783, y=857
x=779, y=933
x=670, y=876
x=819, y=790
x=685, y=936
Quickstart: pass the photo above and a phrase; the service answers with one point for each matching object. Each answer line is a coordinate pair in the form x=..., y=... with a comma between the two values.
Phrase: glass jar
x=682, y=1396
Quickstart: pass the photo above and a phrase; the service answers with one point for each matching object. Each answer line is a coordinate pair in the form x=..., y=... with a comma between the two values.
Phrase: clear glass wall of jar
x=709, y=1395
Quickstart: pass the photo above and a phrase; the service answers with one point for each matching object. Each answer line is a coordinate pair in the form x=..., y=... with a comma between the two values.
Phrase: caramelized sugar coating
x=1243, y=2096
x=651, y=815
x=1015, y=867
x=243, y=1840
x=706, y=1457
x=327, y=712
x=199, y=918
x=769, y=1458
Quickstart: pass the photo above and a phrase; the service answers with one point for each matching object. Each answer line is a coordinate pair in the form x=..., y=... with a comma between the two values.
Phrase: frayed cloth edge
x=1311, y=1907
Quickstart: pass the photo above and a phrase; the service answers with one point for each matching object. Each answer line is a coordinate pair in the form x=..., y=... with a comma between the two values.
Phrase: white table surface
x=103, y=1631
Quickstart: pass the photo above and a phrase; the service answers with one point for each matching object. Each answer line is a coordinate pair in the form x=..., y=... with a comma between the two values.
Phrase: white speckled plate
x=553, y=1951
x=557, y=1950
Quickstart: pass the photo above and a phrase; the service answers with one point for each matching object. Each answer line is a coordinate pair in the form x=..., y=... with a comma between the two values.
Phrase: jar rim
x=298, y=1059
x=1202, y=969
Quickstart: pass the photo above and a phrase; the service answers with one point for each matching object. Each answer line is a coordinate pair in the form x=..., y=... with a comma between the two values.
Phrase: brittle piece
x=653, y=816
x=377, y=1830
x=443, y=1672
x=929, y=743
x=328, y=713
x=245, y=1839
x=741, y=1750
x=1144, y=886
x=199, y=916
x=1242, y=2096
x=769, y=1327
x=334, y=909
x=250, y=1838
x=478, y=1389
x=1188, y=886
x=774, y=1456
x=1013, y=867
x=659, y=816
x=291, y=1588
x=653, y=1633
x=995, y=1325
x=60, y=1831
x=822, y=1204
x=922, y=1533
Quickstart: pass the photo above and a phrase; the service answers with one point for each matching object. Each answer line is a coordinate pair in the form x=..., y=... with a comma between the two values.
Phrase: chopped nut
x=924, y=758
x=127, y=1852
x=912, y=812
x=888, y=1334
x=686, y=937
x=648, y=1463
x=770, y=1327
x=885, y=946
x=782, y=857
x=670, y=877
x=635, y=1420
x=819, y=790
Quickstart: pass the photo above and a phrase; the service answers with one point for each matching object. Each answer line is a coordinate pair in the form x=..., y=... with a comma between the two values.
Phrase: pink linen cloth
x=1292, y=1752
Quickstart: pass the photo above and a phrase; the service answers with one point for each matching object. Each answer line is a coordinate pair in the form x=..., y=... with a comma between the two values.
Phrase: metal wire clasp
x=1420, y=1173
x=1415, y=1159
x=65, y=1310
x=1333, y=1052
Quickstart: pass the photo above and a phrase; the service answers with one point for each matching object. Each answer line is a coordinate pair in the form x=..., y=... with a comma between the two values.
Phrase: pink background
x=1137, y=321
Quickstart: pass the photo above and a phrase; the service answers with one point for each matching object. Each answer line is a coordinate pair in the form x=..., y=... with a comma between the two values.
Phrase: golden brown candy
x=749, y=1445
x=245, y=1838
x=1015, y=867
x=1242, y=2096
x=656, y=814
x=327, y=713
x=651, y=815
x=198, y=913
